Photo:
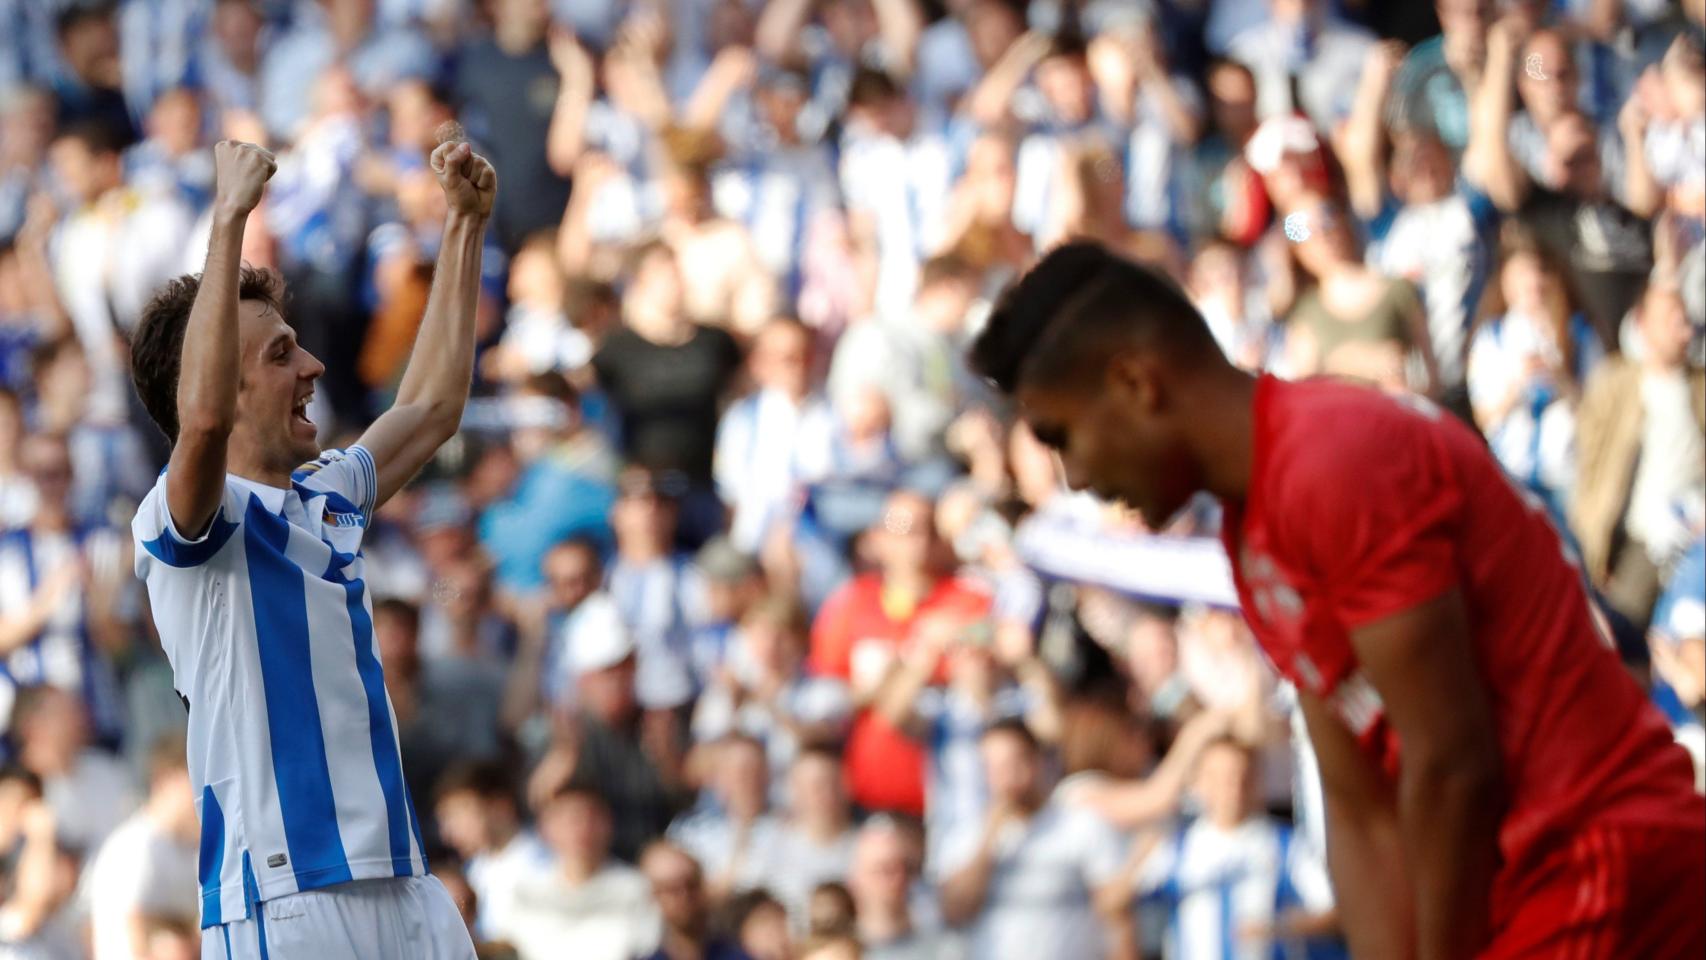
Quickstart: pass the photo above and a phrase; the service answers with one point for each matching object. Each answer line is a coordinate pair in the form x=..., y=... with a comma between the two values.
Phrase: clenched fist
x=241, y=171
x=468, y=179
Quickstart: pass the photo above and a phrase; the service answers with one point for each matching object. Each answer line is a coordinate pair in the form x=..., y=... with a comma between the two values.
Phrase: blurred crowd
x=740, y=620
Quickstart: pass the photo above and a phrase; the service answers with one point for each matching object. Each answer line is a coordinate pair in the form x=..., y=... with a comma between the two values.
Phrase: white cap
x=1276, y=137
x=594, y=636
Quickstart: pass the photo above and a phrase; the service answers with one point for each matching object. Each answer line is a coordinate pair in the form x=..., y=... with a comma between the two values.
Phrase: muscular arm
x=1364, y=847
x=1450, y=796
x=435, y=384
x=207, y=376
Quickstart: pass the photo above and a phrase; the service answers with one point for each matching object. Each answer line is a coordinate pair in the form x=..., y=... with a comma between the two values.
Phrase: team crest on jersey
x=333, y=518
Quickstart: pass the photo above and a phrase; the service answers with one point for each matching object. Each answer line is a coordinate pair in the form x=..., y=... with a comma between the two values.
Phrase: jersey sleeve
x=350, y=473
x=1372, y=511
x=158, y=538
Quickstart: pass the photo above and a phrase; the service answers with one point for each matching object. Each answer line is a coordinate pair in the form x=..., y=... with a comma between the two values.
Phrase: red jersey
x=1362, y=506
x=856, y=640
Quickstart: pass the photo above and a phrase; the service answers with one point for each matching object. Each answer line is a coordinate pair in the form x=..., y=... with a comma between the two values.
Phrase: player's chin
x=304, y=441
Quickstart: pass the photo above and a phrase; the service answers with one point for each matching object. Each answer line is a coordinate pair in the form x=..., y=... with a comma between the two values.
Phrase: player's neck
x=239, y=463
x=1223, y=436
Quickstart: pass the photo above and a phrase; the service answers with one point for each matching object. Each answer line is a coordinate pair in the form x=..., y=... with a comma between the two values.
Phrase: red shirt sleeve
x=1373, y=511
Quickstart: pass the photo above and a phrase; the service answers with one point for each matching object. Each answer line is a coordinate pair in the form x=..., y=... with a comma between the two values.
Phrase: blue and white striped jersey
x=292, y=741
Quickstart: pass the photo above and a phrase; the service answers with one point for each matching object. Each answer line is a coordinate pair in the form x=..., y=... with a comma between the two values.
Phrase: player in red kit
x=1496, y=784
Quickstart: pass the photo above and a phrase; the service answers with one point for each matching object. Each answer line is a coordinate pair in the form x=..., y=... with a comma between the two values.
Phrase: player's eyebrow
x=287, y=337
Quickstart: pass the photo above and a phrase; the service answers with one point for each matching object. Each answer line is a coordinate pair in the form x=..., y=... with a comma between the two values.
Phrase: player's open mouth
x=299, y=413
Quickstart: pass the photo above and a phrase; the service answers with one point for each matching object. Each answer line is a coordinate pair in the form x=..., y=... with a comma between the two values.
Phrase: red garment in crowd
x=1362, y=506
x=855, y=636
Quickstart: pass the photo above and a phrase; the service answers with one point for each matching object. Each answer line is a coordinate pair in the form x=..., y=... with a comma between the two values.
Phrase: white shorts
x=401, y=918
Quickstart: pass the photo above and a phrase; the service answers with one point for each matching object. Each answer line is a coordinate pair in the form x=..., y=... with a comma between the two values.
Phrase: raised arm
x=435, y=384
x=1450, y=798
x=1642, y=193
x=565, y=138
x=777, y=35
x=207, y=378
x=1359, y=141
x=1488, y=162
x=899, y=23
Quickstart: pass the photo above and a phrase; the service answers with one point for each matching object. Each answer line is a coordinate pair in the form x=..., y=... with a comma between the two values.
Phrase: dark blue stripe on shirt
x=293, y=711
x=171, y=551
x=211, y=862
x=386, y=760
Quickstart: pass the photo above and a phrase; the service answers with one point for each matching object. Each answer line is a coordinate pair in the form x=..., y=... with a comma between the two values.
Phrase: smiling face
x=273, y=389
x=1117, y=436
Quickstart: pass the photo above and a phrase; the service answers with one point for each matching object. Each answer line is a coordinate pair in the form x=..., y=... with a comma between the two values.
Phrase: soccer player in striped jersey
x=250, y=545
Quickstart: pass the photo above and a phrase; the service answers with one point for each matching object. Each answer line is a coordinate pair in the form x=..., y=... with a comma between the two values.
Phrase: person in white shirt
x=816, y=842
x=109, y=254
x=734, y=837
x=250, y=547
x=581, y=897
x=479, y=817
x=1236, y=881
x=1025, y=883
x=760, y=434
x=146, y=869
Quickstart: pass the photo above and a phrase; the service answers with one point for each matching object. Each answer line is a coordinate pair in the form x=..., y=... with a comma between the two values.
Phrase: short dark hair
x=74, y=14
x=871, y=86
x=156, y=350
x=404, y=610
x=486, y=780
x=98, y=135
x=1073, y=307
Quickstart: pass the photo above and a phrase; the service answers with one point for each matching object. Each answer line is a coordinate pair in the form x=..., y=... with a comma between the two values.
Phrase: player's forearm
x=1449, y=809
x=441, y=368
x=1365, y=859
x=207, y=379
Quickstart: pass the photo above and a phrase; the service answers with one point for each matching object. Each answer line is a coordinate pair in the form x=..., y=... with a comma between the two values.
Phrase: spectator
x=1639, y=438
x=894, y=177
x=1152, y=658
x=630, y=756
x=761, y=925
x=732, y=582
x=868, y=625
x=763, y=690
x=815, y=844
x=61, y=585
x=733, y=835
x=17, y=492
x=566, y=487
x=1304, y=47
x=758, y=438
x=678, y=889
x=170, y=160
x=442, y=710
x=656, y=590
x=1025, y=881
x=1431, y=88
x=830, y=913
x=516, y=59
x=1527, y=365
x=26, y=128
x=109, y=464
x=230, y=55
x=328, y=34
x=582, y=896
x=103, y=289
x=88, y=88
x=1678, y=644
x=87, y=790
x=1233, y=879
x=479, y=818
x=666, y=376
x=1608, y=247
x=1425, y=224
x=914, y=358
x=145, y=872
x=1352, y=321
x=880, y=880
x=33, y=914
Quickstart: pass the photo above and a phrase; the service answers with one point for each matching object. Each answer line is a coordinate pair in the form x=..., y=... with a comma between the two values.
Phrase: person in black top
x=665, y=375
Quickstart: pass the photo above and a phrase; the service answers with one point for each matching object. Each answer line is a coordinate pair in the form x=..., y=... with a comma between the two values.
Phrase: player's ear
x=1132, y=377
